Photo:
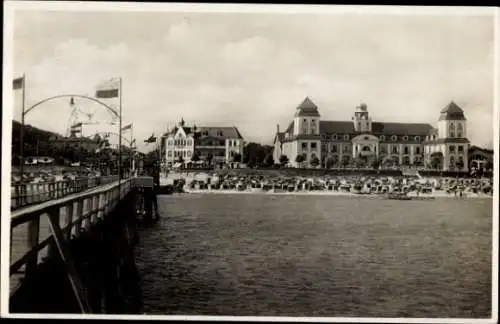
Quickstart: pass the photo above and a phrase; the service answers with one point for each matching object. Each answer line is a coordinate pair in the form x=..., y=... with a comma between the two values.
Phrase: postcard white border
x=7, y=115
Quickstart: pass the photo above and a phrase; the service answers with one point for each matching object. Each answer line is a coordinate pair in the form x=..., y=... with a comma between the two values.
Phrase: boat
x=398, y=197
x=422, y=198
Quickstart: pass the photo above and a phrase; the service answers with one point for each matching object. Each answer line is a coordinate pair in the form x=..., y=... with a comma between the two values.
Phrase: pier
x=74, y=254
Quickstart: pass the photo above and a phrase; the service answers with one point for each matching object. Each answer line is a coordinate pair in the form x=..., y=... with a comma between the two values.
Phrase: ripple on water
x=317, y=256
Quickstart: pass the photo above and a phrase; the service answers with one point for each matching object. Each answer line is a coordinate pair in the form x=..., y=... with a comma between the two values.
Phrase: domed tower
x=306, y=119
x=452, y=137
x=452, y=122
x=361, y=119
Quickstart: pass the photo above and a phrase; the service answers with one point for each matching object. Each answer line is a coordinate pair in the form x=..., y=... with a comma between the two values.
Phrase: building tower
x=452, y=133
x=362, y=120
x=306, y=132
x=306, y=120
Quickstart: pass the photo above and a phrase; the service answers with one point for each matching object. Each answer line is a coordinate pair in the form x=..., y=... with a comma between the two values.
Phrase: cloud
x=252, y=70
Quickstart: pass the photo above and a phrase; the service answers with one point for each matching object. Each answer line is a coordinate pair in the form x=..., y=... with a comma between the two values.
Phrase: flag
x=108, y=89
x=132, y=142
x=77, y=125
x=129, y=126
x=151, y=139
x=18, y=83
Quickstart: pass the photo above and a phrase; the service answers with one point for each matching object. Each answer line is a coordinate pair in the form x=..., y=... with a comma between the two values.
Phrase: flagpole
x=131, y=144
x=120, y=142
x=21, y=159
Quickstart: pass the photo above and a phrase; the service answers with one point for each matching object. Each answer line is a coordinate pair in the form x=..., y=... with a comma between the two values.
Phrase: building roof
x=448, y=141
x=452, y=112
x=477, y=148
x=421, y=129
x=307, y=109
x=347, y=127
x=336, y=127
x=211, y=131
x=280, y=136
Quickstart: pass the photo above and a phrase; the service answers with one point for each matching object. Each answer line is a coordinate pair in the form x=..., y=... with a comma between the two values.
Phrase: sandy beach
x=436, y=194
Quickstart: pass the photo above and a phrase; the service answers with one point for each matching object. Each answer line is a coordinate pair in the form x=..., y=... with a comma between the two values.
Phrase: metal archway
x=108, y=107
x=116, y=134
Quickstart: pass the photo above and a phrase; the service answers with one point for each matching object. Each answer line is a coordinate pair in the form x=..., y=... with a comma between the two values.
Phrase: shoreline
x=331, y=193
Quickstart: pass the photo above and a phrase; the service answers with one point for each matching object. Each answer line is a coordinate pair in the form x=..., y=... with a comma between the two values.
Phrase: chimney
x=277, y=128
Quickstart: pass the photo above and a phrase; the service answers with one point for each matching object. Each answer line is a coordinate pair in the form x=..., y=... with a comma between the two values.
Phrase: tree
x=488, y=165
x=360, y=161
x=346, y=160
x=375, y=163
x=300, y=159
x=268, y=160
x=195, y=157
x=436, y=160
x=329, y=162
x=256, y=152
x=283, y=160
x=209, y=159
x=237, y=157
x=314, y=162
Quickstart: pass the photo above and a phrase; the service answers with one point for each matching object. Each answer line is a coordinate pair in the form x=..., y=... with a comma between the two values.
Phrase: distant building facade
x=394, y=143
x=220, y=145
x=479, y=157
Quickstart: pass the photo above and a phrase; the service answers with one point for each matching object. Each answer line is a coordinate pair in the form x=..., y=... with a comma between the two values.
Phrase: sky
x=251, y=70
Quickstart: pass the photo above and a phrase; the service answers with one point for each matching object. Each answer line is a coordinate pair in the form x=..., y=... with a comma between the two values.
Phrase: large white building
x=399, y=143
x=215, y=145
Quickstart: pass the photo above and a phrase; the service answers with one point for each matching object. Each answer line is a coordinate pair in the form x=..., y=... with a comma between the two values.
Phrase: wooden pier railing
x=27, y=194
x=42, y=227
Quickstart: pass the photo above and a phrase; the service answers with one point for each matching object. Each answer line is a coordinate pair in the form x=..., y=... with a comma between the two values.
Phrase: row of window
x=187, y=154
x=180, y=142
x=453, y=149
x=383, y=149
x=393, y=138
x=459, y=130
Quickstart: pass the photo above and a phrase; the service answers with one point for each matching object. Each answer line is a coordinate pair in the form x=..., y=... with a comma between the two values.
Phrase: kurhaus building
x=220, y=143
x=398, y=143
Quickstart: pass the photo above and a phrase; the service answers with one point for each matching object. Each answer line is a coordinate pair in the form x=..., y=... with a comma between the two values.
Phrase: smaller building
x=480, y=158
x=214, y=146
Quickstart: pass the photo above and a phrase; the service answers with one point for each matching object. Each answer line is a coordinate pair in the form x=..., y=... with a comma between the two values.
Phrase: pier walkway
x=74, y=254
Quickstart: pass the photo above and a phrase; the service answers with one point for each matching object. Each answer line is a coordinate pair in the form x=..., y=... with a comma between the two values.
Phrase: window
x=417, y=150
x=169, y=153
x=417, y=138
x=452, y=148
x=394, y=138
x=188, y=153
x=394, y=149
x=345, y=148
x=346, y=137
x=382, y=137
x=359, y=125
x=460, y=148
x=334, y=137
x=334, y=148
x=452, y=130
x=383, y=149
x=406, y=150
x=313, y=146
x=460, y=130
x=304, y=146
x=405, y=138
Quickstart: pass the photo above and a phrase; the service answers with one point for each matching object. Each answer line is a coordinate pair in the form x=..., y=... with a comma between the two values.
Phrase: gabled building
x=399, y=143
x=219, y=143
